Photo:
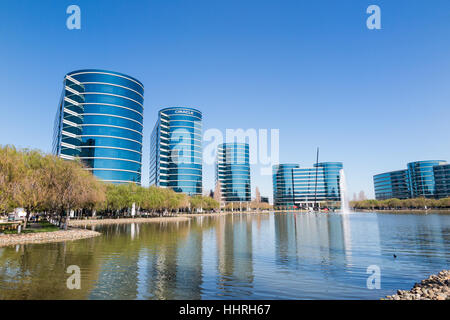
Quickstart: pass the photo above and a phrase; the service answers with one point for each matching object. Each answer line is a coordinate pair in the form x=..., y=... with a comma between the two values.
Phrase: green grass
x=43, y=226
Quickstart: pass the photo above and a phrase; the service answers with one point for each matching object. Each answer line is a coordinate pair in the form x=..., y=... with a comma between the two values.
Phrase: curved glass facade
x=100, y=121
x=392, y=184
x=293, y=185
x=421, y=178
x=176, y=150
x=331, y=179
x=283, y=187
x=442, y=179
x=233, y=171
x=428, y=179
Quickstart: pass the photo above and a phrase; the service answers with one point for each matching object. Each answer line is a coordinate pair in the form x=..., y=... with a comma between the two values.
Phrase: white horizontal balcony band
x=124, y=181
x=112, y=105
x=70, y=123
x=73, y=113
x=186, y=130
x=164, y=126
x=112, y=115
x=186, y=144
x=69, y=134
x=184, y=174
x=196, y=181
x=72, y=90
x=106, y=147
x=73, y=80
x=172, y=138
x=108, y=125
x=65, y=156
x=108, y=158
x=106, y=136
x=107, y=73
x=68, y=145
x=115, y=85
x=193, y=126
x=113, y=95
x=111, y=169
x=237, y=147
x=72, y=101
x=164, y=138
x=229, y=184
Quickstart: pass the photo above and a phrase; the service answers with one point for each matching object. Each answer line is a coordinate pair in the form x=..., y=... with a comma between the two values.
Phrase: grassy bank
x=43, y=226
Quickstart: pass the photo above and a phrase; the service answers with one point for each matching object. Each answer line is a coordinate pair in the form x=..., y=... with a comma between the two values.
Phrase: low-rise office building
x=306, y=187
x=428, y=179
x=392, y=184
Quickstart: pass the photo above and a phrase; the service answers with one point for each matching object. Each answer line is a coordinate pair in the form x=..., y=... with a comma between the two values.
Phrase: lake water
x=242, y=256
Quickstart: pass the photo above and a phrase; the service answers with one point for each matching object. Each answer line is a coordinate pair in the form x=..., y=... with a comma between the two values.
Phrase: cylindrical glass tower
x=100, y=120
x=283, y=185
x=233, y=171
x=176, y=150
x=421, y=178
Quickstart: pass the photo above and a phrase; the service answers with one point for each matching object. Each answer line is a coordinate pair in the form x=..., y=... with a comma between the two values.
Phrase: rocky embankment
x=43, y=237
x=90, y=222
x=436, y=287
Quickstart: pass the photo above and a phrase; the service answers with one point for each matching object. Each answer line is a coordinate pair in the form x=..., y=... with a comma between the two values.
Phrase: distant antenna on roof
x=315, y=185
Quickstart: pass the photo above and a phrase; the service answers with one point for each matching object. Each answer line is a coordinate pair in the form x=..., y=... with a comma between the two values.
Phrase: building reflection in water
x=281, y=255
x=234, y=255
x=321, y=239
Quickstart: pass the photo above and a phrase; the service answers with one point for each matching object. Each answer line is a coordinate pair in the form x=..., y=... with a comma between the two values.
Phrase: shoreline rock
x=435, y=287
x=90, y=222
x=46, y=237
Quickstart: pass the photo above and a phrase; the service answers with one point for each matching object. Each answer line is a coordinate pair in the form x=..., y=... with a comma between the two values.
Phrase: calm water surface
x=248, y=256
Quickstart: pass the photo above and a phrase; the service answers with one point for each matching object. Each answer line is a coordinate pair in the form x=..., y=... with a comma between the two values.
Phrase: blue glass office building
x=421, y=178
x=425, y=179
x=442, y=180
x=100, y=121
x=283, y=187
x=303, y=187
x=233, y=171
x=176, y=150
x=392, y=184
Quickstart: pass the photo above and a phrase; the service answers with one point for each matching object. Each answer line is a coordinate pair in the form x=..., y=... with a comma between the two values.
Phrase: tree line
x=395, y=204
x=48, y=184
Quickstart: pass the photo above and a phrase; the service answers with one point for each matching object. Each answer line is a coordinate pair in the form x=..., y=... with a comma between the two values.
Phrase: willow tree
x=117, y=198
x=34, y=192
x=71, y=186
x=9, y=174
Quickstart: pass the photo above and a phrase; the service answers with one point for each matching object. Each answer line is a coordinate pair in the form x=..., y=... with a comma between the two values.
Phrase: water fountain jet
x=345, y=208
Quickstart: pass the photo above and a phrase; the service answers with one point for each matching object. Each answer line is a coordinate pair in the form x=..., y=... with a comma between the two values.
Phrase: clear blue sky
x=374, y=99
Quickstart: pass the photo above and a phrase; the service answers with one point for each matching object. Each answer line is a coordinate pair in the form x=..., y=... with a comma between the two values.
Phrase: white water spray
x=344, y=196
